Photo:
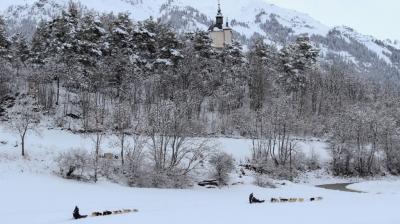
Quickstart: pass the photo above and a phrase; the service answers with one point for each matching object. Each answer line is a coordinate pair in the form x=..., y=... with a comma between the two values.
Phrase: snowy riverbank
x=31, y=193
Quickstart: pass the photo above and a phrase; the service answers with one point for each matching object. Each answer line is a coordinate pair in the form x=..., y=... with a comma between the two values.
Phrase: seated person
x=76, y=214
x=253, y=199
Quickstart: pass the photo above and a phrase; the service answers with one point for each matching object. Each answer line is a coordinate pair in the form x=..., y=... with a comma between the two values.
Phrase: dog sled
x=77, y=215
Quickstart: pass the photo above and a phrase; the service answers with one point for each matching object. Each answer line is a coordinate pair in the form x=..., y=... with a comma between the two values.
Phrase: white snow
x=368, y=41
x=56, y=141
x=6, y=3
x=40, y=199
x=242, y=10
x=378, y=186
x=241, y=148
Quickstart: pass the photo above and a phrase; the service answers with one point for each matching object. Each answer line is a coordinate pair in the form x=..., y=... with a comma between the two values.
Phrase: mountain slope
x=248, y=18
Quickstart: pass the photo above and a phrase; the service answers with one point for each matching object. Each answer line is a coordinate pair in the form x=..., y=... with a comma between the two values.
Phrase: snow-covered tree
x=222, y=164
x=25, y=118
x=297, y=59
x=4, y=41
x=262, y=71
x=40, y=46
x=19, y=51
x=92, y=47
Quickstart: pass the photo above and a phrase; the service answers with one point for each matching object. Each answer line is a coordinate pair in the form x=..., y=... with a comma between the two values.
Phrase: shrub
x=313, y=161
x=222, y=164
x=263, y=181
x=74, y=164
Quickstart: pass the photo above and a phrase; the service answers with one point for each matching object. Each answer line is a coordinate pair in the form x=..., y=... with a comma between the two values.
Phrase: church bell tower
x=221, y=35
x=219, y=18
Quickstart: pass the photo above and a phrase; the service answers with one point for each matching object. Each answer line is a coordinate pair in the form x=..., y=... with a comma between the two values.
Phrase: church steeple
x=219, y=19
x=221, y=35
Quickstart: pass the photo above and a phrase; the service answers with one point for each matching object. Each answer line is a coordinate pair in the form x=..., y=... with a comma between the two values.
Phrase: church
x=221, y=35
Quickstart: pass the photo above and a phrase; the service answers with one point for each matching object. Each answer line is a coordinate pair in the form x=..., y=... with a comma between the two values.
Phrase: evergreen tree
x=120, y=52
x=202, y=44
x=4, y=41
x=231, y=77
x=63, y=36
x=169, y=46
x=92, y=46
x=201, y=63
x=19, y=51
x=40, y=45
x=297, y=59
x=63, y=48
x=144, y=39
x=262, y=71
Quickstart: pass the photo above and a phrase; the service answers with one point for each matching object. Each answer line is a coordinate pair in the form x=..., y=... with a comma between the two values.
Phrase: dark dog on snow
x=97, y=214
x=107, y=213
x=283, y=199
x=274, y=200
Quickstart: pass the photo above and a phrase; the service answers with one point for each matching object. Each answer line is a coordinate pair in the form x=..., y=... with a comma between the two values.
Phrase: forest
x=105, y=74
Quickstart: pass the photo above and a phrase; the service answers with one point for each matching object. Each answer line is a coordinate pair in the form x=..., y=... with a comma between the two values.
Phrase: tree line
x=104, y=73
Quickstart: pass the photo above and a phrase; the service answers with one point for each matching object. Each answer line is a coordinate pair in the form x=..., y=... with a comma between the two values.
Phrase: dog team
x=253, y=199
x=116, y=212
x=77, y=215
x=282, y=200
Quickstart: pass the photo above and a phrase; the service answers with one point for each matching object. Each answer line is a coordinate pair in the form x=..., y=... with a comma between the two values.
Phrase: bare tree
x=98, y=126
x=24, y=119
x=172, y=148
x=222, y=164
x=122, y=119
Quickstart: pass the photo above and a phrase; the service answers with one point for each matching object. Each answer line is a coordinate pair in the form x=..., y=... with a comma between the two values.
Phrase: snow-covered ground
x=55, y=141
x=378, y=186
x=30, y=193
x=41, y=199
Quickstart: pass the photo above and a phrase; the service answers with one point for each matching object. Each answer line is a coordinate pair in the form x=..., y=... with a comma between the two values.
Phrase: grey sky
x=379, y=18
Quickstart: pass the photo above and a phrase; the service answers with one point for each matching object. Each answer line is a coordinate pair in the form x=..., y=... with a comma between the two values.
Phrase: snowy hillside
x=368, y=41
x=243, y=11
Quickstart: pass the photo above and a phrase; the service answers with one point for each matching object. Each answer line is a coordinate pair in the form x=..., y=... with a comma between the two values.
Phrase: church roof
x=219, y=22
x=214, y=27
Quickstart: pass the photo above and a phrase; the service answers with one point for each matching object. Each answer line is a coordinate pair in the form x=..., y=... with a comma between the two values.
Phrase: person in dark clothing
x=251, y=196
x=253, y=199
x=76, y=214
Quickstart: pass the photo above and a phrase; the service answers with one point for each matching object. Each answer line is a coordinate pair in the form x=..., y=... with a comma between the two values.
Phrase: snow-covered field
x=378, y=187
x=41, y=199
x=55, y=141
x=31, y=194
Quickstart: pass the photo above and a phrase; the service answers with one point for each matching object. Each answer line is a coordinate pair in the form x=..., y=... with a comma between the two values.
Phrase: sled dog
x=97, y=214
x=107, y=213
x=283, y=199
x=274, y=200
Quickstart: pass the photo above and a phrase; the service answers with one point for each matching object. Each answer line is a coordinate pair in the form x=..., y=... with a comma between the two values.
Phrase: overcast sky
x=380, y=18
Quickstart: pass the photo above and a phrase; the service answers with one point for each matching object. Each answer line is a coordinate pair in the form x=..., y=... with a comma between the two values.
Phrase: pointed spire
x=219, y=7
x=219, y=19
